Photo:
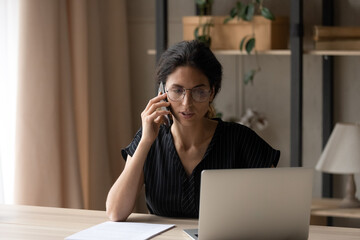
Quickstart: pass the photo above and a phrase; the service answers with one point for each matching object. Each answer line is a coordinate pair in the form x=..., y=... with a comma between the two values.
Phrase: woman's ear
x=212, y=96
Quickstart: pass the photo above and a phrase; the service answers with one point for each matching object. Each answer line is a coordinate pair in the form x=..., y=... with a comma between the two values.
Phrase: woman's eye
x=177, y=90
x=200, y=91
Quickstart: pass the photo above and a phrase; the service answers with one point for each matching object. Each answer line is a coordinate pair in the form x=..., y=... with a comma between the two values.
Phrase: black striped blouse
x=171, y=192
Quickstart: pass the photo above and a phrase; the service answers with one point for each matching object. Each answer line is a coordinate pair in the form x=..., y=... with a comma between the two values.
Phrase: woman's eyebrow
x=200, y=85
x=177, y=85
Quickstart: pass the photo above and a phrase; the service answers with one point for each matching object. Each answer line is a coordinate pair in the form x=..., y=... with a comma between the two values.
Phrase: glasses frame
x=184, y=93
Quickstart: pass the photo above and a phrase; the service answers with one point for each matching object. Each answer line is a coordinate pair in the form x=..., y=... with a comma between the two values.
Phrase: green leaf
x=242, y=12
x=242, y=43
x=265, y=12
x=226, y=20
x=233, y=12
x=250, y=11
x=205, y=39
x=200, y=2
x=201, y=38
x=250, y=45
x=249, y=76
x=239, y=5
x=259, y=1
x=196, y=33
x=204, y=27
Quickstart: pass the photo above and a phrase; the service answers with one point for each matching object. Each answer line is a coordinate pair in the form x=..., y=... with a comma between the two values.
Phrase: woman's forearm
x=122, y=196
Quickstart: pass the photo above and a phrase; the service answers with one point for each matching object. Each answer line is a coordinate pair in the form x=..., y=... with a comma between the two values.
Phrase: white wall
x=347, y=90
x=270, y=93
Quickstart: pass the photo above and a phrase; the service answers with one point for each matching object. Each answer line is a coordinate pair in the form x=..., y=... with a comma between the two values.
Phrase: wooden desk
x=29, y=222
x=329, y=207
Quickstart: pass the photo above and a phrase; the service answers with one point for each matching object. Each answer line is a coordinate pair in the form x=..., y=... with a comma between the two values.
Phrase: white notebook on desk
x=272, y=203
x=120, y=231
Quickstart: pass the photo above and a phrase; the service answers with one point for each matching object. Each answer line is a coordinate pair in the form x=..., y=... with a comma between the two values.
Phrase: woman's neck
x=194, y=135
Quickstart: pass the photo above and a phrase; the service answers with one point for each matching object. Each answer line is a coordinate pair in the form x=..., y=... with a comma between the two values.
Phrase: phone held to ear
x=162, y=90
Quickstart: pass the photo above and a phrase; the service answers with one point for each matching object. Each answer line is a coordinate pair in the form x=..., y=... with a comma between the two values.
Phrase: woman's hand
x=122, y=195
x=152, y=117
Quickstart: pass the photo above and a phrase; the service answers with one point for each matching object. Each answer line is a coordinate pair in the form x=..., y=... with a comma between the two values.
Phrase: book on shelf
x=338, y=45
x=325, y=33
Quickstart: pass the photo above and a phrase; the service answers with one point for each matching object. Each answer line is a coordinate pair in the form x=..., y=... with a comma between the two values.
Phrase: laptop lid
x=272, y=203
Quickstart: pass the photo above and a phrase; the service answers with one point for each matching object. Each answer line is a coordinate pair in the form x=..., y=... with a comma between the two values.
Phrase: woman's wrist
x=145, y=144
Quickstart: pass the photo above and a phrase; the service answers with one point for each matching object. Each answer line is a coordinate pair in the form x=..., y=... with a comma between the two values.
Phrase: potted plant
x=246, y=12
x=202, y=31
x=243, y=29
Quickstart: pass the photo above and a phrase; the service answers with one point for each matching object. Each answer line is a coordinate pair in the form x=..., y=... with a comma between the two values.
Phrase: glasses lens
x=176, y=93
x=200, y=94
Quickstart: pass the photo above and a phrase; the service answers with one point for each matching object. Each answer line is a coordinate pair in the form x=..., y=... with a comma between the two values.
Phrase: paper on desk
x=120, y=230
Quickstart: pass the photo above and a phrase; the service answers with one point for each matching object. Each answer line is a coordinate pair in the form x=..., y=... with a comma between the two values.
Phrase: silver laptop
x=271, y=203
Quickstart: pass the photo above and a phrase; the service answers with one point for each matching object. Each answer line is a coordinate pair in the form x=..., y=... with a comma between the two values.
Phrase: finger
x=159, y=120
x=157, y=110
x=158, y=106
x=156, y=114
x=155, y=100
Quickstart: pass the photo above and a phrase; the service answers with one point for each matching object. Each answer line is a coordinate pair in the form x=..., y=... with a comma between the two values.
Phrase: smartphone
x=162, y=90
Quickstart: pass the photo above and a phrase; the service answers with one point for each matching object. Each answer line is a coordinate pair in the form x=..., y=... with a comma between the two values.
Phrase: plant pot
x=268, y=34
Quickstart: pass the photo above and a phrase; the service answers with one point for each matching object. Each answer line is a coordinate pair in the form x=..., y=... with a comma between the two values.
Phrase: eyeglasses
x=199, y=94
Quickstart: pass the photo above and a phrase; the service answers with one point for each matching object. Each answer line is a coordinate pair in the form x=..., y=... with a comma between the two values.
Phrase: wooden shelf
x=334, y=52
x=268, y=52
x=284, y=52
x=238, y=52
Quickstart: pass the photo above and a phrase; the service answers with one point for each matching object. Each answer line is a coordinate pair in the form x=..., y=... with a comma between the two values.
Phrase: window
x=8, y=86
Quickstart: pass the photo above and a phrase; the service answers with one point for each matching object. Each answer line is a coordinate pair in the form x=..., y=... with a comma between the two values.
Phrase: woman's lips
x=187, y=115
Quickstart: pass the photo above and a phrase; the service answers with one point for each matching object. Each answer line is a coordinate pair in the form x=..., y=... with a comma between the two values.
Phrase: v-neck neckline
x=178, y=162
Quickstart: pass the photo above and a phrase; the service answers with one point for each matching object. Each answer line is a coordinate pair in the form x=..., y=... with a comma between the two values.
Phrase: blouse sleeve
x=259, y=153
x=131, y=148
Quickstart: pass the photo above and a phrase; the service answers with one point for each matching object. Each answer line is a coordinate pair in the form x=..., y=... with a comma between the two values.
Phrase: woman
x=169, y=161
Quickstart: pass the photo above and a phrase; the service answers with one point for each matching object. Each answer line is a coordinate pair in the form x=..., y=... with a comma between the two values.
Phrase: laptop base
x=193, y=233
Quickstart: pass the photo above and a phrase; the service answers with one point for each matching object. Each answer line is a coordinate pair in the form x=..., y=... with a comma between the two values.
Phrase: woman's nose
x=187, y=100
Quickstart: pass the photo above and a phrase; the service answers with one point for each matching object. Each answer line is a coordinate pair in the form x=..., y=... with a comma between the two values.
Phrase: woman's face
x=186, y=110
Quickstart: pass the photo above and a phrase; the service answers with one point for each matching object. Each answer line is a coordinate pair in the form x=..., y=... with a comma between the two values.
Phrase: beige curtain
x=73, y=112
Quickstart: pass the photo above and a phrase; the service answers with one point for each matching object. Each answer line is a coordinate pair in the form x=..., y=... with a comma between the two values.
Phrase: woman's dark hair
x=194, y=54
